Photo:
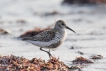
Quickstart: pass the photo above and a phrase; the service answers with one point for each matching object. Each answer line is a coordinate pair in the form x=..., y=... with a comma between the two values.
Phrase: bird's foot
x=50, y=55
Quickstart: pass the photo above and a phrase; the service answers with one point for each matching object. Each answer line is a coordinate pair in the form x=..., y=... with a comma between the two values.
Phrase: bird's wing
x=43, y=36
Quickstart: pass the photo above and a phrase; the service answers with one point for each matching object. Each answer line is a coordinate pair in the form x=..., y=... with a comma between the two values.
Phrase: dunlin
x=50, y=38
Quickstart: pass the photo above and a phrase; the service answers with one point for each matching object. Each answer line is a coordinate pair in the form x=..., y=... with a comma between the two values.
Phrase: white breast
x=64, y=36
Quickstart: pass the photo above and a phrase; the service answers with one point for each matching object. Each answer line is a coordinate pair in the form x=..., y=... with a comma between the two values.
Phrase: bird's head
x=60, y=24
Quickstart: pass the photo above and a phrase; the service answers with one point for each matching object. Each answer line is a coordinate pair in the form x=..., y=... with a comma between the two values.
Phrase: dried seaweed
x=15, y=63
x=96, y=57
x=84, y=1
x=81, y=60
x=72, y=68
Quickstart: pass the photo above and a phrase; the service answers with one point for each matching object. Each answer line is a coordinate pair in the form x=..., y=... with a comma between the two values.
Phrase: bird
x=51, y=38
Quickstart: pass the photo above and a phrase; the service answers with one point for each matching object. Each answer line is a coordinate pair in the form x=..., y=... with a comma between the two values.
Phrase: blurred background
x=86, y=17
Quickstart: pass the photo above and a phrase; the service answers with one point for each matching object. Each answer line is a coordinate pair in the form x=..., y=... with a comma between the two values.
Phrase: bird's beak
x=70, y=29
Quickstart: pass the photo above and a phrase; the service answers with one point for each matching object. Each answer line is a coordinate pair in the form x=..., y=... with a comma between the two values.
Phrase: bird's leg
x=46, y=52
x=49, y=50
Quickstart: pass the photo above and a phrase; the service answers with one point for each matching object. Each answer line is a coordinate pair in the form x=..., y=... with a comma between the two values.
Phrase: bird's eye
x=62, y=23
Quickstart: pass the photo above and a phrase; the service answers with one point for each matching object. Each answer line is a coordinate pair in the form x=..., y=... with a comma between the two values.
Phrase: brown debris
x=14, y=63
x=81, y=53
x=81, y=60
x=34, y=32
x=6, y=31
x=96, y=57
x=84, y=1
x=21, y=21
x=51, y=13
x=72, y=68
x=48, y=13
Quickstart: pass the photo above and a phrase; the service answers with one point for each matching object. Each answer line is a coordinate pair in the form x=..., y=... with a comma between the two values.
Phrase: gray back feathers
x=43, y=36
